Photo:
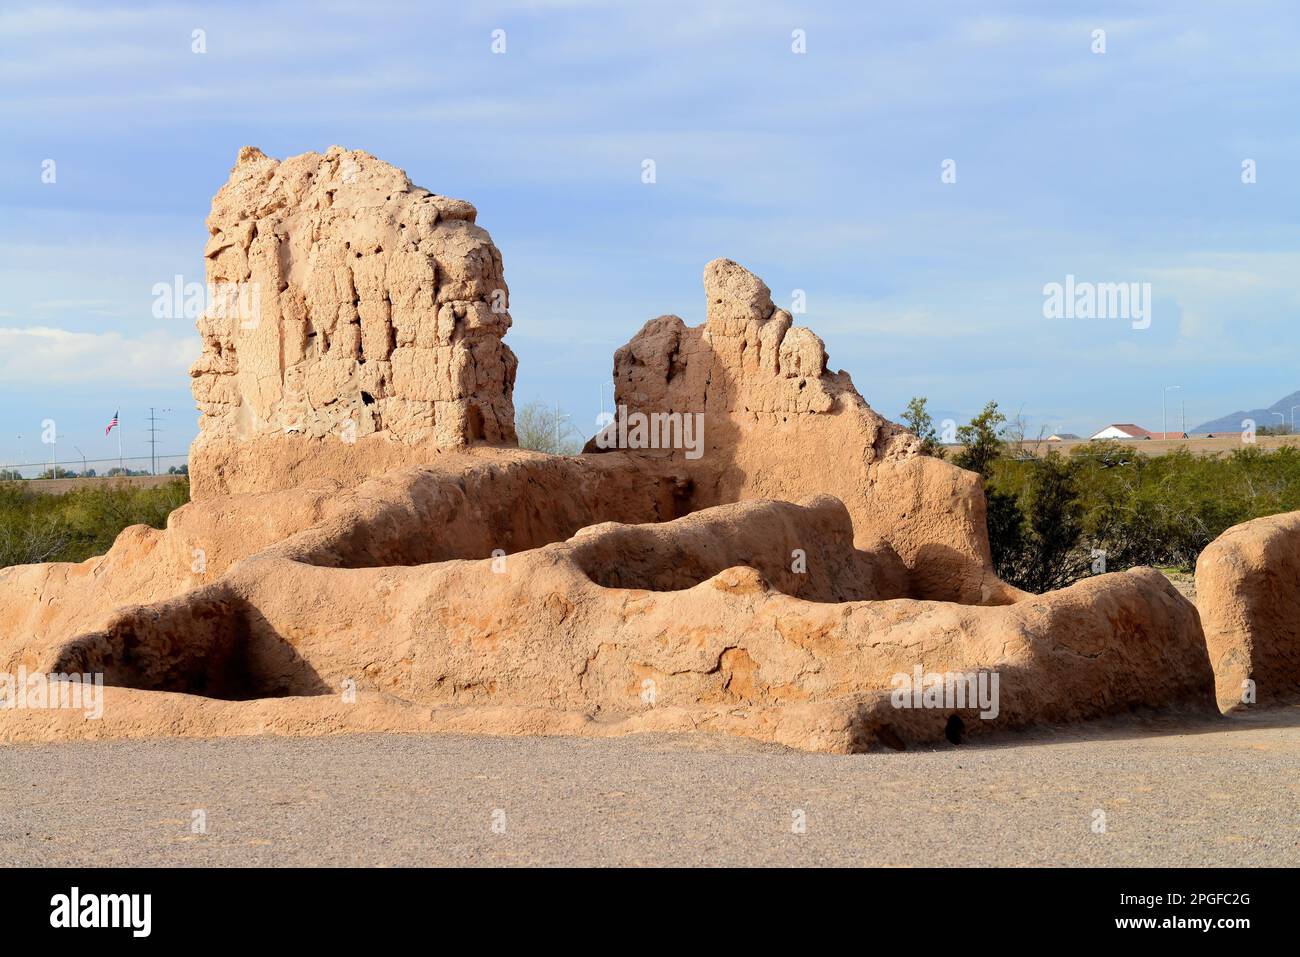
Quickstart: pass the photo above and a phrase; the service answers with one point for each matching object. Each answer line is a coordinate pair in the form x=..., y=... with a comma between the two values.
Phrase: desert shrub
x=1006, y=527
x=78, y=524
x=1046, y=515
x=981, y=441
x=919, y=422
x=543, y=428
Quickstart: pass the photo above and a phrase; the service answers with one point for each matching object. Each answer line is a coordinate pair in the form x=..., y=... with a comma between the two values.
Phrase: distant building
x=1122, y=430
x=1063, y=437
x=1127, y=430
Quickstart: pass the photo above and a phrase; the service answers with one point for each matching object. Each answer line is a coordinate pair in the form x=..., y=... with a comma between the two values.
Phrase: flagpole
x=121, y=464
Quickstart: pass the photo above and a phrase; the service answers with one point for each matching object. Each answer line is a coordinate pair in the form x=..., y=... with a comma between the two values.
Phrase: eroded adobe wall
x=778, y=424
x=1248, y=595
x=348, y=307
x=468, y=505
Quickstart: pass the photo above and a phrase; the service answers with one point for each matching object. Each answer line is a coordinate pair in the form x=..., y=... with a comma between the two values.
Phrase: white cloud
x=42, y=356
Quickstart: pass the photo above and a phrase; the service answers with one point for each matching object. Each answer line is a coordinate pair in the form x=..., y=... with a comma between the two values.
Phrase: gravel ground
x=1223, y=793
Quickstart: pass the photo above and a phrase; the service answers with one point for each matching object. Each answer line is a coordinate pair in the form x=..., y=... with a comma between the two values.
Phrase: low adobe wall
x=1248, y=594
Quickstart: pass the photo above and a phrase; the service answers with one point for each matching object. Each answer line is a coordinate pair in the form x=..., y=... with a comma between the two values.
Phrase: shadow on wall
x=207, y=643
x=528, y=501
x=805, y=551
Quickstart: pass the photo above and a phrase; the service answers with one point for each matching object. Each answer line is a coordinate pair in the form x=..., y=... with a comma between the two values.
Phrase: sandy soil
x=1220, y=445
x=1225, y=792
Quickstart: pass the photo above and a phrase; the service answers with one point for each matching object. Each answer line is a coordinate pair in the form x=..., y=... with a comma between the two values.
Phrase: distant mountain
x=1232, y=423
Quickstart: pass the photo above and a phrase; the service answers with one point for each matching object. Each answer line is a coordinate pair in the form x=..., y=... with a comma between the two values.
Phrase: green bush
x=1047, y=515
x=1158, y=510
x=919, y=422
x=78, y=524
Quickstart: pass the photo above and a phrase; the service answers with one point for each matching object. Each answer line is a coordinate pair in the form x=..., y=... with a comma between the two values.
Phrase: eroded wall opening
x=508, y=508
x=209, y=646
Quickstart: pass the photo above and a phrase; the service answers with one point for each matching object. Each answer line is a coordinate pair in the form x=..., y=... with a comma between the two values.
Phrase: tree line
x=1052, y=516
x=80, y=523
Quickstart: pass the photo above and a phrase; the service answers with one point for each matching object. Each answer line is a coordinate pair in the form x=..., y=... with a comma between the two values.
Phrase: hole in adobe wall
x=367, y=398
x=954, y=729
x=214, y=647
x=474, y=424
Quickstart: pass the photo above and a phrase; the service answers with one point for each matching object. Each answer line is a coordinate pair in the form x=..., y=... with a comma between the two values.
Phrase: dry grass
x=1219, y=445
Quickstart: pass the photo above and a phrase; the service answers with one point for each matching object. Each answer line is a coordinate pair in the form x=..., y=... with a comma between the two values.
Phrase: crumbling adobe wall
x=534, y=643
x=386, y=546
x=1248, y=595
x=349, y=307
x=377, y=345
x=466, y=505
x=778, y=424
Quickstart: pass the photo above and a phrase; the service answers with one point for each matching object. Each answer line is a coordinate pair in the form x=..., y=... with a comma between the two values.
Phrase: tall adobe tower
x=348, y=307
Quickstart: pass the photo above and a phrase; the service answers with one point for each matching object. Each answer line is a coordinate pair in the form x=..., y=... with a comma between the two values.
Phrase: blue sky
x=818, y=171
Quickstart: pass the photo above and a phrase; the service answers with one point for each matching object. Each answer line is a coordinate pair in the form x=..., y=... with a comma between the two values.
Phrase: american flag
x=111, y=424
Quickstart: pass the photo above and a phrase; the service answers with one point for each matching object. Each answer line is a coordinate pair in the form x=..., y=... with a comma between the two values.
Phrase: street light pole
x=558, y=418
x=601, y=424
x=1164, y=410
